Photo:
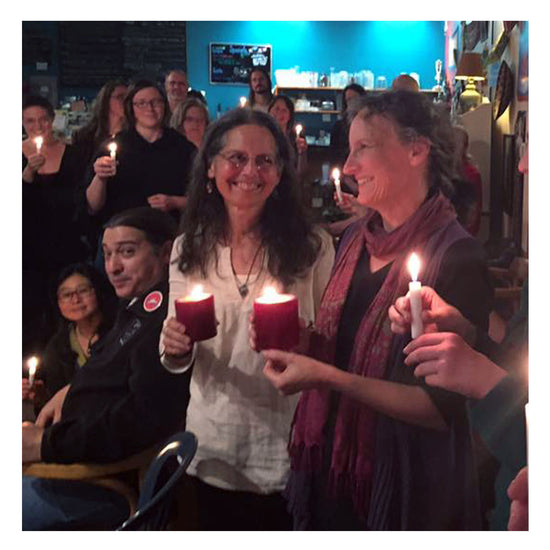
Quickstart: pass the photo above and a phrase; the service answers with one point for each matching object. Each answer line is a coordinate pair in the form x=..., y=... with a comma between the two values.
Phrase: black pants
x=223, y=510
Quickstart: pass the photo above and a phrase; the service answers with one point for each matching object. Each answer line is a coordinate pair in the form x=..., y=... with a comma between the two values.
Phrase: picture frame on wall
x=232, y=63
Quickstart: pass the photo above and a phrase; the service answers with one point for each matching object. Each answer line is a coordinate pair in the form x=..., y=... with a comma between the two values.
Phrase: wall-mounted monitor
x=232, y=63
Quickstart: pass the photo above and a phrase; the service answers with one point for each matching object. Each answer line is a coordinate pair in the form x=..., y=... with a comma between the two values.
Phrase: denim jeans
x=56, y=504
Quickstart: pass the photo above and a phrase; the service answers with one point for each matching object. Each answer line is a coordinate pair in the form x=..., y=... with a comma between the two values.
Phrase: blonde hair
x=176, y=120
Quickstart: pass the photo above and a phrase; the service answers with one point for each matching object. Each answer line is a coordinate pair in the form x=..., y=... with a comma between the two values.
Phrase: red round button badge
x=152, y=301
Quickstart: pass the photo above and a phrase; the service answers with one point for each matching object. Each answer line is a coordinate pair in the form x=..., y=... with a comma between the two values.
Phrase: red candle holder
x=197, y=313
x=276, y=321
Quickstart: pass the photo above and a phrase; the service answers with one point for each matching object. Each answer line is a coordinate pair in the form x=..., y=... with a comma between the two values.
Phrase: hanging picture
x=232, y=63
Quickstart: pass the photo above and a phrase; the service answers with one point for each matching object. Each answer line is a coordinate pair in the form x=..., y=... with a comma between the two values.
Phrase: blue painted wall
x=385, y=47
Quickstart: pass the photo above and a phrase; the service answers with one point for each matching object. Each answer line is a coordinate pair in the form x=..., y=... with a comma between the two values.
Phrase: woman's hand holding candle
x=437, y=316
x=446, y=361
x=105, y=167
x=175, y=339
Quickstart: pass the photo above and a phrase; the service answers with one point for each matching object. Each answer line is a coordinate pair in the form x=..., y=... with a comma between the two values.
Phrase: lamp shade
x=470, y=67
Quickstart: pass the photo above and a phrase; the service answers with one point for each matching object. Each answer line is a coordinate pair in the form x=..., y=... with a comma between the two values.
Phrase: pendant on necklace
x=243, y=290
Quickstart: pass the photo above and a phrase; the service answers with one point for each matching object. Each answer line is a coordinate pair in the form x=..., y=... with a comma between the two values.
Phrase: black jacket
x=122, y=400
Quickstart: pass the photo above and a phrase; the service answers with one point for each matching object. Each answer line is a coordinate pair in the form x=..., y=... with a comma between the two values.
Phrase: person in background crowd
x=176, y=86
x=234, y=244
x=339, y=144
x=50, y=237
x=495, y=381
x=152, y=162
x=190, y=119
x=282, y=109
x=405, y=82
x=122, y=401
x=107, y=119
x=471, y=187
x=85, y=304
x=198, y=95
x=373, y=447
x=260, y=94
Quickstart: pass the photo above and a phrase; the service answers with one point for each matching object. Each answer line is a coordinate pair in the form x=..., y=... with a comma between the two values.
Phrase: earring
x=209, y=187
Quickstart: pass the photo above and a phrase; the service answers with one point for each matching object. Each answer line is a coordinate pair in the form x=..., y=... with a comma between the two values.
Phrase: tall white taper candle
x=415, y=297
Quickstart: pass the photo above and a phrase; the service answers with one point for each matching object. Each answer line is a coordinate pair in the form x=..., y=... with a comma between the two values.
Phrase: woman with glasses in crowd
x=244, y=229
x=190, y=118
x=152, y=161
x=51, y=169
x=85, y=305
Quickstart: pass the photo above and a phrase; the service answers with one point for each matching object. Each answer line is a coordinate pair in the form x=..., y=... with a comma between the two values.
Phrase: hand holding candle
x=415, y=297
x=276, y=320
x=336, y=178
x=196, y=311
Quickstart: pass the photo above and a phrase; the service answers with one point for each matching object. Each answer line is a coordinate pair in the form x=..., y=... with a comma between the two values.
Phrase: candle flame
x=269, y=292
x=197, y=293
x=243, y=101
x=38, y=141
x=336, y=174
x=32, y=363
x=414, y=266
x=112, y=147
x=299, y=129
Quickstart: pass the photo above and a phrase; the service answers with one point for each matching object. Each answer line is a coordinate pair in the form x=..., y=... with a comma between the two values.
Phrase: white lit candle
x=112, y=150
x=336, y=178
x=32, y=363
x=243, y=101
x=38, y=141
x=298, y=129
x=415, y=297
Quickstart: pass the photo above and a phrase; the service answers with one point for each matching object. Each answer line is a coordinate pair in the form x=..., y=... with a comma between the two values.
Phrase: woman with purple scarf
x=371, y=446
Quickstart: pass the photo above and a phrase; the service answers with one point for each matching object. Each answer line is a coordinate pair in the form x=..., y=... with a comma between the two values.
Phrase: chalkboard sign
x=232, y=63
x=92, y=52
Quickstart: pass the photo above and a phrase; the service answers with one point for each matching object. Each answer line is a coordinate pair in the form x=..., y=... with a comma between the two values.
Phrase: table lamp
x=470, y=69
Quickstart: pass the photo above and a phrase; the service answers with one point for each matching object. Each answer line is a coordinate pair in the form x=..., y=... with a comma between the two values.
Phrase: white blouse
x=241, y=421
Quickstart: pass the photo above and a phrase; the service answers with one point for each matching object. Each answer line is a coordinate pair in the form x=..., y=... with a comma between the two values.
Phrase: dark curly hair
x=286, y=230
x=413, y=116
x=39, y=101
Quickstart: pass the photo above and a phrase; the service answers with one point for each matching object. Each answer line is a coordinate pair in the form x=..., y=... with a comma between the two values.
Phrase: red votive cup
x=276, y=321
x=197, y=313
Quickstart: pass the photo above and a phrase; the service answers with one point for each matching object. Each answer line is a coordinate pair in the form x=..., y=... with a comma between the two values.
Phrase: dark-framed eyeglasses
x=66, y=296
x=143, y=103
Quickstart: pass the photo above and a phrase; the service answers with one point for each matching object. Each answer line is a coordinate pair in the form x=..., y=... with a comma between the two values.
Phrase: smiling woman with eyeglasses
x=85, y=303
x=152, y=161
x=244, y=229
